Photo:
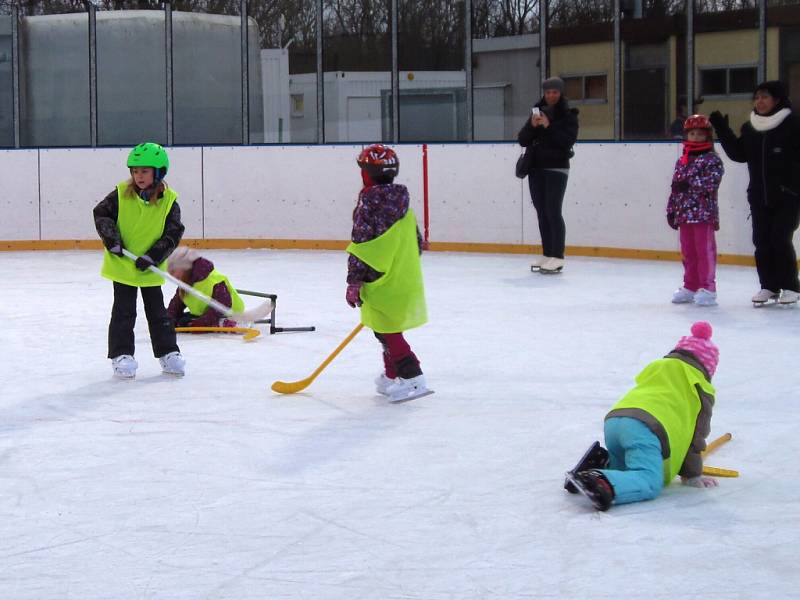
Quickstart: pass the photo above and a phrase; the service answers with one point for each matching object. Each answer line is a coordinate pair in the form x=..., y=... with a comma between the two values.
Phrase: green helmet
x=150, y=154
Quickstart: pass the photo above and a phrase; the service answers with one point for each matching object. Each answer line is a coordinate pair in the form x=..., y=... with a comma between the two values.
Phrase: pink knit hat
x=181, y=259
x=701, y=346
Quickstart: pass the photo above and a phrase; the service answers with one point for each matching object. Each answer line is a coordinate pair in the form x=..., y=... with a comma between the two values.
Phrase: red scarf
x=694, y=148
x=366, y=179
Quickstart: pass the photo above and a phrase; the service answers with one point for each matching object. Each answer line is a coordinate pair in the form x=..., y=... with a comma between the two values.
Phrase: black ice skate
x=595, y=486
x=596, y=457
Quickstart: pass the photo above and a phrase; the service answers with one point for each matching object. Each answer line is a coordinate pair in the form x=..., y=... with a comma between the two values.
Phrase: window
x=726, y=81
x=298, y=105
x=586, y=88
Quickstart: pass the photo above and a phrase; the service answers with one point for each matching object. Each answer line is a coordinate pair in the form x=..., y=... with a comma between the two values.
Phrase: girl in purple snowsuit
x=693, y=209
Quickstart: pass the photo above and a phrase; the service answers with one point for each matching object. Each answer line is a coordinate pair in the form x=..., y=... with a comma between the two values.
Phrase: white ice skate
x=682, y=296
x=537, y=264
x=552, y=266
x=124, y=366
x=404, y=390
x=383, y=384
x=763, y=296
x=704, y=297
x=788, y=297
x=173, y=364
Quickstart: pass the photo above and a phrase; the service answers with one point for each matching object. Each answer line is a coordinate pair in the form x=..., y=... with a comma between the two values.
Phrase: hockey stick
x=249, y=332
x=716, y=444
x=292, y=387
x=716, y=471
x=247, y=316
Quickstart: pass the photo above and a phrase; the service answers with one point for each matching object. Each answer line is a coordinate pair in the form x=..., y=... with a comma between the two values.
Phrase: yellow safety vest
x=394, y=302
x=197, y=307
x=140, y=224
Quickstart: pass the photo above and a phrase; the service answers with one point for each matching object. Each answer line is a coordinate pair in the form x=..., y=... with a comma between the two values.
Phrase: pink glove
x=701, y=481
x=353, y=295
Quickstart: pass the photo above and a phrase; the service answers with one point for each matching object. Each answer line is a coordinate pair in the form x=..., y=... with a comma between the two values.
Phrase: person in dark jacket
x=769, y=143
x=548, y=137
x=143, y=216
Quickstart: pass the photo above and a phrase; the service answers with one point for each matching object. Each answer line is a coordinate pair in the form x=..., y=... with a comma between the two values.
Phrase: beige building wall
x=726, y=49
x=596, y=118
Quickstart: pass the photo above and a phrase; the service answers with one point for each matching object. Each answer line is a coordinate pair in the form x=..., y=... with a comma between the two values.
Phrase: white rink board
x=73, y=181
x=19, y=202
x=474, y=195
x=615, y=197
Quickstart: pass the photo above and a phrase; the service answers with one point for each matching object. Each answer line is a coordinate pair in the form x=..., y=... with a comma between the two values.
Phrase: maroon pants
x=398, y=359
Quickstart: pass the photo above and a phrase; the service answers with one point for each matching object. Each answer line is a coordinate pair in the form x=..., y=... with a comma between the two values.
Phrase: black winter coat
x=772, y=157
x=551, y=147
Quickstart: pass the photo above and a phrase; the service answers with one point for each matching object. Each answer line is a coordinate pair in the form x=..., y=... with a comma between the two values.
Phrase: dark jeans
x=547, y=192
x=773, y=229
x=123, y=318
x=398, y=359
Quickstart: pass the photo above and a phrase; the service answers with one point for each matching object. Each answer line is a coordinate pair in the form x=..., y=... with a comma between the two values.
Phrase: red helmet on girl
x=697, y=122
x=379, y=161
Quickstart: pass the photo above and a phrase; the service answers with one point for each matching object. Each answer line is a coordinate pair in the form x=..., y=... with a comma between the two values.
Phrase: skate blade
x=535, y=269
x=121, y=377
x=412, y=397
x=550, y=271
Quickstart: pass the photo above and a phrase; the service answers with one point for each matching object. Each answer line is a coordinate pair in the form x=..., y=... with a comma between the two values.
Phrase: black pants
x=773, y=229
x=547, y=192
x=123, y=318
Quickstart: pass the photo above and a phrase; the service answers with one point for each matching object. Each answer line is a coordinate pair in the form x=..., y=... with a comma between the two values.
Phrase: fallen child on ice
x=187, y=311
x=657, y=430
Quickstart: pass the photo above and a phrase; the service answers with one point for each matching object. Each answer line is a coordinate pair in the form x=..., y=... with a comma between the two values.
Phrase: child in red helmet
x=384, y=275
x=693, y=209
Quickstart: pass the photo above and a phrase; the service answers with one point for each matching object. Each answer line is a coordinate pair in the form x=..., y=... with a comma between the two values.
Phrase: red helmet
x=697, y=122
x=379, y=160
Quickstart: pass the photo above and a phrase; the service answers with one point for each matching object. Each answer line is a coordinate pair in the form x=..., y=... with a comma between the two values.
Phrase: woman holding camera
x=548, y=136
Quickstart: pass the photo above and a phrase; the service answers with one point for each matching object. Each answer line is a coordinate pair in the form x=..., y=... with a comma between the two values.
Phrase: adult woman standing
x=770, y=145
x=548, y=136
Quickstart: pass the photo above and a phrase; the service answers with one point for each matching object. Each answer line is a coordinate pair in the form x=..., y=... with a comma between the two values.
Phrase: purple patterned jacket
x=379, y=207
x=698, y=203
x=201, y=268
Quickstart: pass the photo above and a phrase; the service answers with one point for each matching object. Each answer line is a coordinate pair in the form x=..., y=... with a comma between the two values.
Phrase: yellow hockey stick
x=292, y=387
x=716, y=471
x=249, y=332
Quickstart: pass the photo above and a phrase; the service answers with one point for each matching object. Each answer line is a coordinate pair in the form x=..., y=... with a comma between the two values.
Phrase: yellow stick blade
x=290, y=387
x=718, y=472
x=249, y=332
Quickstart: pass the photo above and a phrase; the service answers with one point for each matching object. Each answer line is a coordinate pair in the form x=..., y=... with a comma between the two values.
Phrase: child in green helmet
x=143, y=216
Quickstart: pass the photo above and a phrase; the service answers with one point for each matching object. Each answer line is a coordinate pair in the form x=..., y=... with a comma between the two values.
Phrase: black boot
x=595, y=486
x=596, y=457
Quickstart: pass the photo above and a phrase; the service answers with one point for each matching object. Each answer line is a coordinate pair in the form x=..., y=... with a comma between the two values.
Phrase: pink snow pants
x=699, y=251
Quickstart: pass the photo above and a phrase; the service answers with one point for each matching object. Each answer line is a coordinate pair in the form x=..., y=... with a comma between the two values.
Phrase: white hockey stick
x=247, y=316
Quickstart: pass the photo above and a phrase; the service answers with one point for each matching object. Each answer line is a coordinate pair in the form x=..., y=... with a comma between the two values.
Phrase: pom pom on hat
x=702, y=329
x=181, y=259
x=699, y=344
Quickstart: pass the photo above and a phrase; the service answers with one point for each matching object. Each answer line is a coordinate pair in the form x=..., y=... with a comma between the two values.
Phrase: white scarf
x=762, y=123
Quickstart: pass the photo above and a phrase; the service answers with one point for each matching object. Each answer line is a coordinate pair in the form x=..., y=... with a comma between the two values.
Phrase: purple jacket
x=379, y=207
x=201, y=268
x=694, y=190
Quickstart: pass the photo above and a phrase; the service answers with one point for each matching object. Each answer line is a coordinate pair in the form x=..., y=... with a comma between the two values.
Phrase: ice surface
x=211, y=486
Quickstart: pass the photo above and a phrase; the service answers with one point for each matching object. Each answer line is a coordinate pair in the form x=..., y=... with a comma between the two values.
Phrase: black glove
x=671, y=220
x=144, y=262
x=116, y=249
x=719, y=121
x=679, y=187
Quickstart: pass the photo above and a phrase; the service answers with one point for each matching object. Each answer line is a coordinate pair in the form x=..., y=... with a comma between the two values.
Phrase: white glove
x=701, y=481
